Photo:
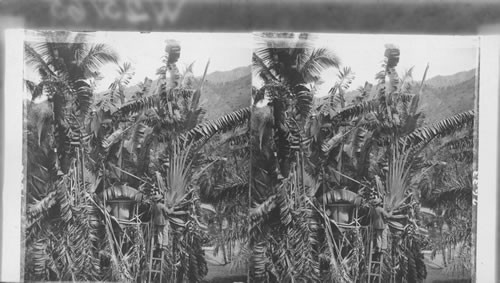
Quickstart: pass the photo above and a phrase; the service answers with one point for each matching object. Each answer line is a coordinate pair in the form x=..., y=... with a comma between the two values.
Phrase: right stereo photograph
x=362, y=158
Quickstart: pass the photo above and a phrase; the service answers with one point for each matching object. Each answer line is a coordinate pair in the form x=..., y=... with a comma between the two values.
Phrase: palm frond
x=228, y=192
x=261, y=69
x=34, y=56
x=33, y=88
x=397, y=179
x=258, y=214
x=337, y=92
x=304, y=102
x=460, y=144
x=258, y=262
x=238, y=140
x=41, y=207
x=447, y=126
x=339, y=195
x=139, y=105
x=84, y=99
x=97, y=56
x=357, y=110
x=415, y=101
x=319, y=60
x=220, y=125
x=178, y=175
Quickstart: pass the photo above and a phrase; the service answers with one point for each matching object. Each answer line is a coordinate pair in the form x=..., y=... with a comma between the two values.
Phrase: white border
x=487, y=209
x=486, y=247
x=12, y=163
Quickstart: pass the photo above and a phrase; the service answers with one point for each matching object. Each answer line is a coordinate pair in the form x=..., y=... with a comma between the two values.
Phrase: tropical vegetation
x=286, y=187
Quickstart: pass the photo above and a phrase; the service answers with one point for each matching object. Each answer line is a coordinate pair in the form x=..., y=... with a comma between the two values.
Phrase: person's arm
x=383, y=212
x=165, y=210
x=400, y=216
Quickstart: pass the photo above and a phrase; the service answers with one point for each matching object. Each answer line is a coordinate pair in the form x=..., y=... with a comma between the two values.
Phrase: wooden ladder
x=152, y=261
x=375, y=265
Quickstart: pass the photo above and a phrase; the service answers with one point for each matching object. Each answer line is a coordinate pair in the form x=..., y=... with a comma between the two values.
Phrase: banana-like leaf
x=139, y=105
x=42, y=206
x=304, y=103
x=461, y=144
x=228, y=192
x=220, y=125
x=285, y=209
x=63, y=199
x=339, y=195
x=39, y=257
x=357, y=110
x=329, y=144
x=258, y=262
x=121, y=192
x=113, y=138
x=258, y=213
x=424, y=135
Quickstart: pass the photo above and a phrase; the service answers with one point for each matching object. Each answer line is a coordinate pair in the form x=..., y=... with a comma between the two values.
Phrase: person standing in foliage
x=379, y=218
x=160, y=221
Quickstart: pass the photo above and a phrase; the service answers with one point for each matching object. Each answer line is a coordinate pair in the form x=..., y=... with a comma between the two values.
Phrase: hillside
x=442, y=100
x=442, y=96
x=448, y=95
x=224, y=97
x=444, y=81
x=223, y=92
x=228, y=76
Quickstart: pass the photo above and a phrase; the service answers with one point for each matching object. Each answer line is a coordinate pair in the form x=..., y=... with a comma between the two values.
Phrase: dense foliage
x=310, y=154
x=287, y=186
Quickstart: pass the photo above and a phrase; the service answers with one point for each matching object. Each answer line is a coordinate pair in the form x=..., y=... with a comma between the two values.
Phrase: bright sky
x=446, y=55
x=226, y=51
x=363, y=53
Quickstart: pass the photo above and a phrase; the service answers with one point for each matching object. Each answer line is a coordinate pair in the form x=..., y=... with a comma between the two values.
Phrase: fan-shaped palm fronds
x=397, y=179
x=179, y=172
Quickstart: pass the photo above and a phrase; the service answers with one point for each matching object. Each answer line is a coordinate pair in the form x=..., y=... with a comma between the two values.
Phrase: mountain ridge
x=227, y=91
x=442, y=95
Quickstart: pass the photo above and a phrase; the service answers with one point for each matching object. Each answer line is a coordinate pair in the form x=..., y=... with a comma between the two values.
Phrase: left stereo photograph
x=136, y=156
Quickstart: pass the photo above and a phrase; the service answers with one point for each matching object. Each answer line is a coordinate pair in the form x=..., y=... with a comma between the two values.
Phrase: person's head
x=157, y=198
x=376, y=202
